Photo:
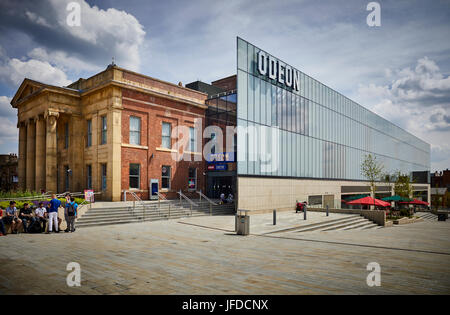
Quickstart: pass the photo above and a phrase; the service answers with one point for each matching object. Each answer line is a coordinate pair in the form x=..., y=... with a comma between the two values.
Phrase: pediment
x=27, y=88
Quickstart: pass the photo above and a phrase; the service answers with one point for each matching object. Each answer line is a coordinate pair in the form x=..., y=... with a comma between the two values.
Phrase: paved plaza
x=203, y=255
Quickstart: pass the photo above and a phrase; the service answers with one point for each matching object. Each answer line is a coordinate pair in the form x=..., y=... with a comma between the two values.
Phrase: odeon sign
x=277, y=70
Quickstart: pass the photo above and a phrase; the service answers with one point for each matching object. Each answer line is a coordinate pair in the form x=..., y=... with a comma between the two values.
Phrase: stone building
x=8, y=172
x=108, y=133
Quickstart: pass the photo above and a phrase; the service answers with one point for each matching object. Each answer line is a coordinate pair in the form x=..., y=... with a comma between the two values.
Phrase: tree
x=402, y=186
x=372, y=170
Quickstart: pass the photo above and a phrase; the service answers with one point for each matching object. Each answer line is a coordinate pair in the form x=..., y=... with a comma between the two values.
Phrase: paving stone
x=203, y=257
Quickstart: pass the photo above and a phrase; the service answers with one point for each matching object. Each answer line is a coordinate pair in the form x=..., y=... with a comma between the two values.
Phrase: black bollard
x=274, y=216
x=304, y=212
x=327, y=211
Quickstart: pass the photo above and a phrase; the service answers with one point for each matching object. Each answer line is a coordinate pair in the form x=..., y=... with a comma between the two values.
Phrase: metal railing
x=191, y=203
x=202, y=195
x=139, y=200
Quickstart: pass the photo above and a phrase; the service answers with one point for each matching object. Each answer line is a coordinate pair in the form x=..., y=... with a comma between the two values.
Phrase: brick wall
x=153, y=111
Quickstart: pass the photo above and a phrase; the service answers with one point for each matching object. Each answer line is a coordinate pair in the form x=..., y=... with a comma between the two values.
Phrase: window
x=192, y=178
x=89, y=133
x=66, y=178
x=165, y=177
x=89, y=177
x=103, y=140
x=166, y=131
x=192, y=139
x=135, y=171
x=103, y=169
x=135, y=130
x=66, y=135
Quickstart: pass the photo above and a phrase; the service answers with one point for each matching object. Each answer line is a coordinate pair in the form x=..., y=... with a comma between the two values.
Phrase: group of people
x=42, y=216
x=228, y=199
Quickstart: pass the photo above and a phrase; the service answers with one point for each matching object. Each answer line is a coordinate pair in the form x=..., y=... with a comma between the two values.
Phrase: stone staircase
x=427, y=216
x=170, y=209
x=348, y=222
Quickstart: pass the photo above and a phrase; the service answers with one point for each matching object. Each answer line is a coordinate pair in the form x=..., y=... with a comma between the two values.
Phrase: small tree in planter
x=403, y=186
x=372, y=170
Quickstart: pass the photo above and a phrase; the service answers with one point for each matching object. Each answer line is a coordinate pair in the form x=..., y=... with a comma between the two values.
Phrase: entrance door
x=221, y=185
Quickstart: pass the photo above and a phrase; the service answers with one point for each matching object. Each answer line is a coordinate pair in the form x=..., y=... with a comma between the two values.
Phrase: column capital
x=51, y=116
x=51, y=113
x=39, y=117
x=21, y=124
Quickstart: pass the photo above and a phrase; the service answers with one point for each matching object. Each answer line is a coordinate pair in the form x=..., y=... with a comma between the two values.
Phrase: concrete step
x=346, y=224
x=151, y=212
x=360, y=226
x=106, y=221
x=327, y=224
x=427, y=216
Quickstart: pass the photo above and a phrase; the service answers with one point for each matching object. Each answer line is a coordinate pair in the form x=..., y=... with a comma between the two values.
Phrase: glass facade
x=312, y=132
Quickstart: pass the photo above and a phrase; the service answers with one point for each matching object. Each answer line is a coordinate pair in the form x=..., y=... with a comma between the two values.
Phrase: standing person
x=11, y=217
x=71, y=213
x=2, y=225
x=230, y=198
x=41, y=214
x=66, y=218
x=26, y=216
x=222, y=198
x=53, y=214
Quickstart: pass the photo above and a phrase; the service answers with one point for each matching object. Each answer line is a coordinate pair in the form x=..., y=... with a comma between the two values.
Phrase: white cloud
x=63, y=60
x=13, y=71
x=37, y=19
x=8, y=127
x=418, y=100
x=6, y=110
x=119, y=32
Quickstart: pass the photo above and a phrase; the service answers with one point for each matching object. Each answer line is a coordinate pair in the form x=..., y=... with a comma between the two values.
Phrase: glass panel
x=242, y=54
x=242, y=95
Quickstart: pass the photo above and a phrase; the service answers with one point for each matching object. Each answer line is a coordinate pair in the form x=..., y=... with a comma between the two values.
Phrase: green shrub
x=19, y=204
x=404, y=212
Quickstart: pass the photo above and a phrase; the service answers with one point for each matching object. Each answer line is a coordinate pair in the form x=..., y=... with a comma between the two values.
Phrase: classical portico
x=37, y=152
x=53, y=150
x=40, y=108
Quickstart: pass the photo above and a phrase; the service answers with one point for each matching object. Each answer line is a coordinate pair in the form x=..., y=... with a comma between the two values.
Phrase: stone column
x=22, y=155
x=31, y=150
x=51, y=152
x=40, y=153
x=76, y=152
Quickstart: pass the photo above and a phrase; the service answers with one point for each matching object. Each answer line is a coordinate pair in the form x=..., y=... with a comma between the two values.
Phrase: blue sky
x=399, y=70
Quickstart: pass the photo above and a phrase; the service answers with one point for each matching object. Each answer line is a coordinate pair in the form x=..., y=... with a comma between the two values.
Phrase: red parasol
x=369, y=201
x=416, y=202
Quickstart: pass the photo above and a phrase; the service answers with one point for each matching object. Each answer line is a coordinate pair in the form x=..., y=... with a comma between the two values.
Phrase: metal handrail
x=206, y=198
x=193, y=204
x=136, y=198
x=187, y=199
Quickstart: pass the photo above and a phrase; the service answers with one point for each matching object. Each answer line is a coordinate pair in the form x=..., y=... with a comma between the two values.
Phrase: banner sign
x=89, y=195
x=227, y=157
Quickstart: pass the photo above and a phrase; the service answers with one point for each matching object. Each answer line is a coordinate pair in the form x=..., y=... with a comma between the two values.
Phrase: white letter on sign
x=262, y=62
x=272, y=68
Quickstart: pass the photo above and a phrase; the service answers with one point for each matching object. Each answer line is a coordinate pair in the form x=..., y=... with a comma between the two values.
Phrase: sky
x=399, y=70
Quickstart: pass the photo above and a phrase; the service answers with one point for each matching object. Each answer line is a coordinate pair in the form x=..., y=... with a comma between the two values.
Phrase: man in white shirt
x=41, y=215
